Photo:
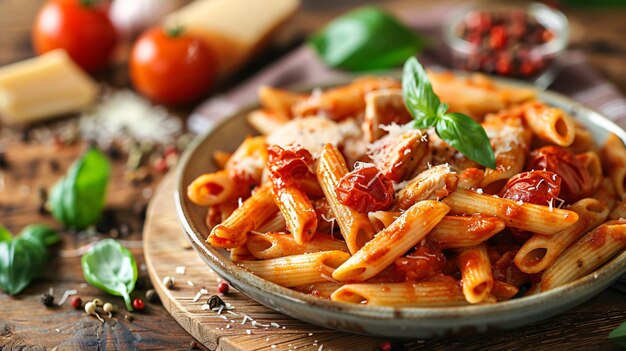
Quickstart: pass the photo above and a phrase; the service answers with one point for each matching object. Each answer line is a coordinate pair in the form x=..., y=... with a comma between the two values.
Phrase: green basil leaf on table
x=618, y=335
x=111, y=267
x=366, y=39
x=24, y=257
x=78, y=197
x=5, y=234
x=456, y=129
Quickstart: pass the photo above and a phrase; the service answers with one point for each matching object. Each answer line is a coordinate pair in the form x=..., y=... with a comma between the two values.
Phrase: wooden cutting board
x=165, y=249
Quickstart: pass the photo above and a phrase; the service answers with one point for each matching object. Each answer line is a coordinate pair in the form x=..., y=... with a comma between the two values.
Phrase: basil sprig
x=457, y=129
x=24, y=257
x=366, y=39
x=78, y=197
x=111, y=267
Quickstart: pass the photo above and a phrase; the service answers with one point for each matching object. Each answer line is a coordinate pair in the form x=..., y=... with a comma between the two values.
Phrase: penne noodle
x=550, y=124
x=248, y=161
x=426, y=294
x=298, y=270
x=591, y=161
x=382, y=219
x=535, y=218
x=455, y=232
x=355, y=227
x=274, y=245
x=540, y=251
x=582, y=258
x=511, y=142
x=476, y=276
x=279, y=101
x=392, y=242
x=321, y=290
x=211, y=189
x=241, y=253
x=274, y=224
x=606, y=193
x=220, y=158
x=249, y=216
x=619, y=211
x=583, y=141
x=470, y=178
x=613, y=155
x=298, y=212
x=264, y=121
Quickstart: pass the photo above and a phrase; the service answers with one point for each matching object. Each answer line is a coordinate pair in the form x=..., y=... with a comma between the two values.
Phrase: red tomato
x=537, y=187
x=289, y=164
x=365, y=190
x=425, y=262
x=576, y=180
x=171, y=66
x=81, y=28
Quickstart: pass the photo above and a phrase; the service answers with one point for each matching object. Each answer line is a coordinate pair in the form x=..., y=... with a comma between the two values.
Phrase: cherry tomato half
x=365, y=190
x=288, y=165
x=537, y=187
x=171, y=66
x=425, y=262
x=576, y=180
x=80, y=27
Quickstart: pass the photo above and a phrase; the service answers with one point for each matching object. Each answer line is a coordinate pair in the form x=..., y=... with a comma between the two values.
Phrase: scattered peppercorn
x=152, y=296
x=76, y=302
x=47, y=299
x=138, y=304
x=129, y=317
x=193, y=345
x=215, y=301
x=222, y=287
x=169, y=282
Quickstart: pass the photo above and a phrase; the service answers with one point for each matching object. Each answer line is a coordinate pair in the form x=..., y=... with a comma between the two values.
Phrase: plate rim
x=607, y=273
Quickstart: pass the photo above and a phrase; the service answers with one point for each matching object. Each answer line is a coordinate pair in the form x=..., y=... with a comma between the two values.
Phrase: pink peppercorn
x=222, y=287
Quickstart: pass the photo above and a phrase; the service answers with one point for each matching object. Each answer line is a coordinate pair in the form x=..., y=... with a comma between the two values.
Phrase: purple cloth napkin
x=576, y=78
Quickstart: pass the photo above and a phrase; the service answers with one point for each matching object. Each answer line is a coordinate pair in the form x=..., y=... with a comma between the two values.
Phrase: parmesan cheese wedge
x=232, y=29
x=42, y=87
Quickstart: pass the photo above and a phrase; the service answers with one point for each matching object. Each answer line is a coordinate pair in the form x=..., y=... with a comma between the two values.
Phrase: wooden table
x=26, y=324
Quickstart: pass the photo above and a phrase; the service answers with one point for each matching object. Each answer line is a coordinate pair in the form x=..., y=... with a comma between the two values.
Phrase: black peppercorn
x=152, y=296
x=47, y=299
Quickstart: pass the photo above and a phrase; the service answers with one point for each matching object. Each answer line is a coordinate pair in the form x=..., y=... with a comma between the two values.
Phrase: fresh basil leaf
x=419, y=98
x=467, y=136
x=111, y=267
x=24, y=258
x=5, y=234
x=78, y=197
x=42, y=233
x=366, y=39
x=618, y=335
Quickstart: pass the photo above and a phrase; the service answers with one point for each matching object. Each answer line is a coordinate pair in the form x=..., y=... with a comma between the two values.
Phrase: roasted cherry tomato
x=171, y=66
x=365, y=190
x=289, y=164
x=425, y=262
x=537, y=187
x=80, y=27
x=576, y=180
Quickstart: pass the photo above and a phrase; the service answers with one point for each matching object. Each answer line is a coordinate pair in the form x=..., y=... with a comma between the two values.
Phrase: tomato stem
x=88, y=3
x=174, y=31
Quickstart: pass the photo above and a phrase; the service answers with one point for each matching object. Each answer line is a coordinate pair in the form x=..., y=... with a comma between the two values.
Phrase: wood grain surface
x=25, y=324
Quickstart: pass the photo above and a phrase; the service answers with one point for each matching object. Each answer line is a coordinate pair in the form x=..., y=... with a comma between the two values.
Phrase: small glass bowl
x=474, y=57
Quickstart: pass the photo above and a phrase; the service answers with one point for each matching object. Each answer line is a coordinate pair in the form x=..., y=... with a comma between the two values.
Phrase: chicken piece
x=398, y=154
x=432, y=184
x=383, y=107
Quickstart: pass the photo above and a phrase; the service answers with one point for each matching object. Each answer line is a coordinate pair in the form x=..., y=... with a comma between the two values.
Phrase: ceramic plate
x=382, y=321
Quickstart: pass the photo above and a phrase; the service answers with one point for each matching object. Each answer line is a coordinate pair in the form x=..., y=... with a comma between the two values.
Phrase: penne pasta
x=535, y=218
x=355, y=227
x=434, y=183
x=455, y=232
x=248, y=161
x=249, y=216
x=409, y=294
x=274, y=245
x=274, y=224
x=321, y=290
x=476, y=276
x=265, y=122
x=586, y=255
x=211, y=189
x=240, y=253
x=540, y=251
x=298, y=270
x=591, y=161
x=613, y=155
x=220, y=158
x=503, y=291
x=392, y=242
x=300, y=217
x=382, y=219
x=619, y=211
x=550, y=124
x=279, y=101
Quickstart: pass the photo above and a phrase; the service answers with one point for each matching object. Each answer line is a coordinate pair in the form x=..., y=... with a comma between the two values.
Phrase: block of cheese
x=233, y=29
x=45, y=86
